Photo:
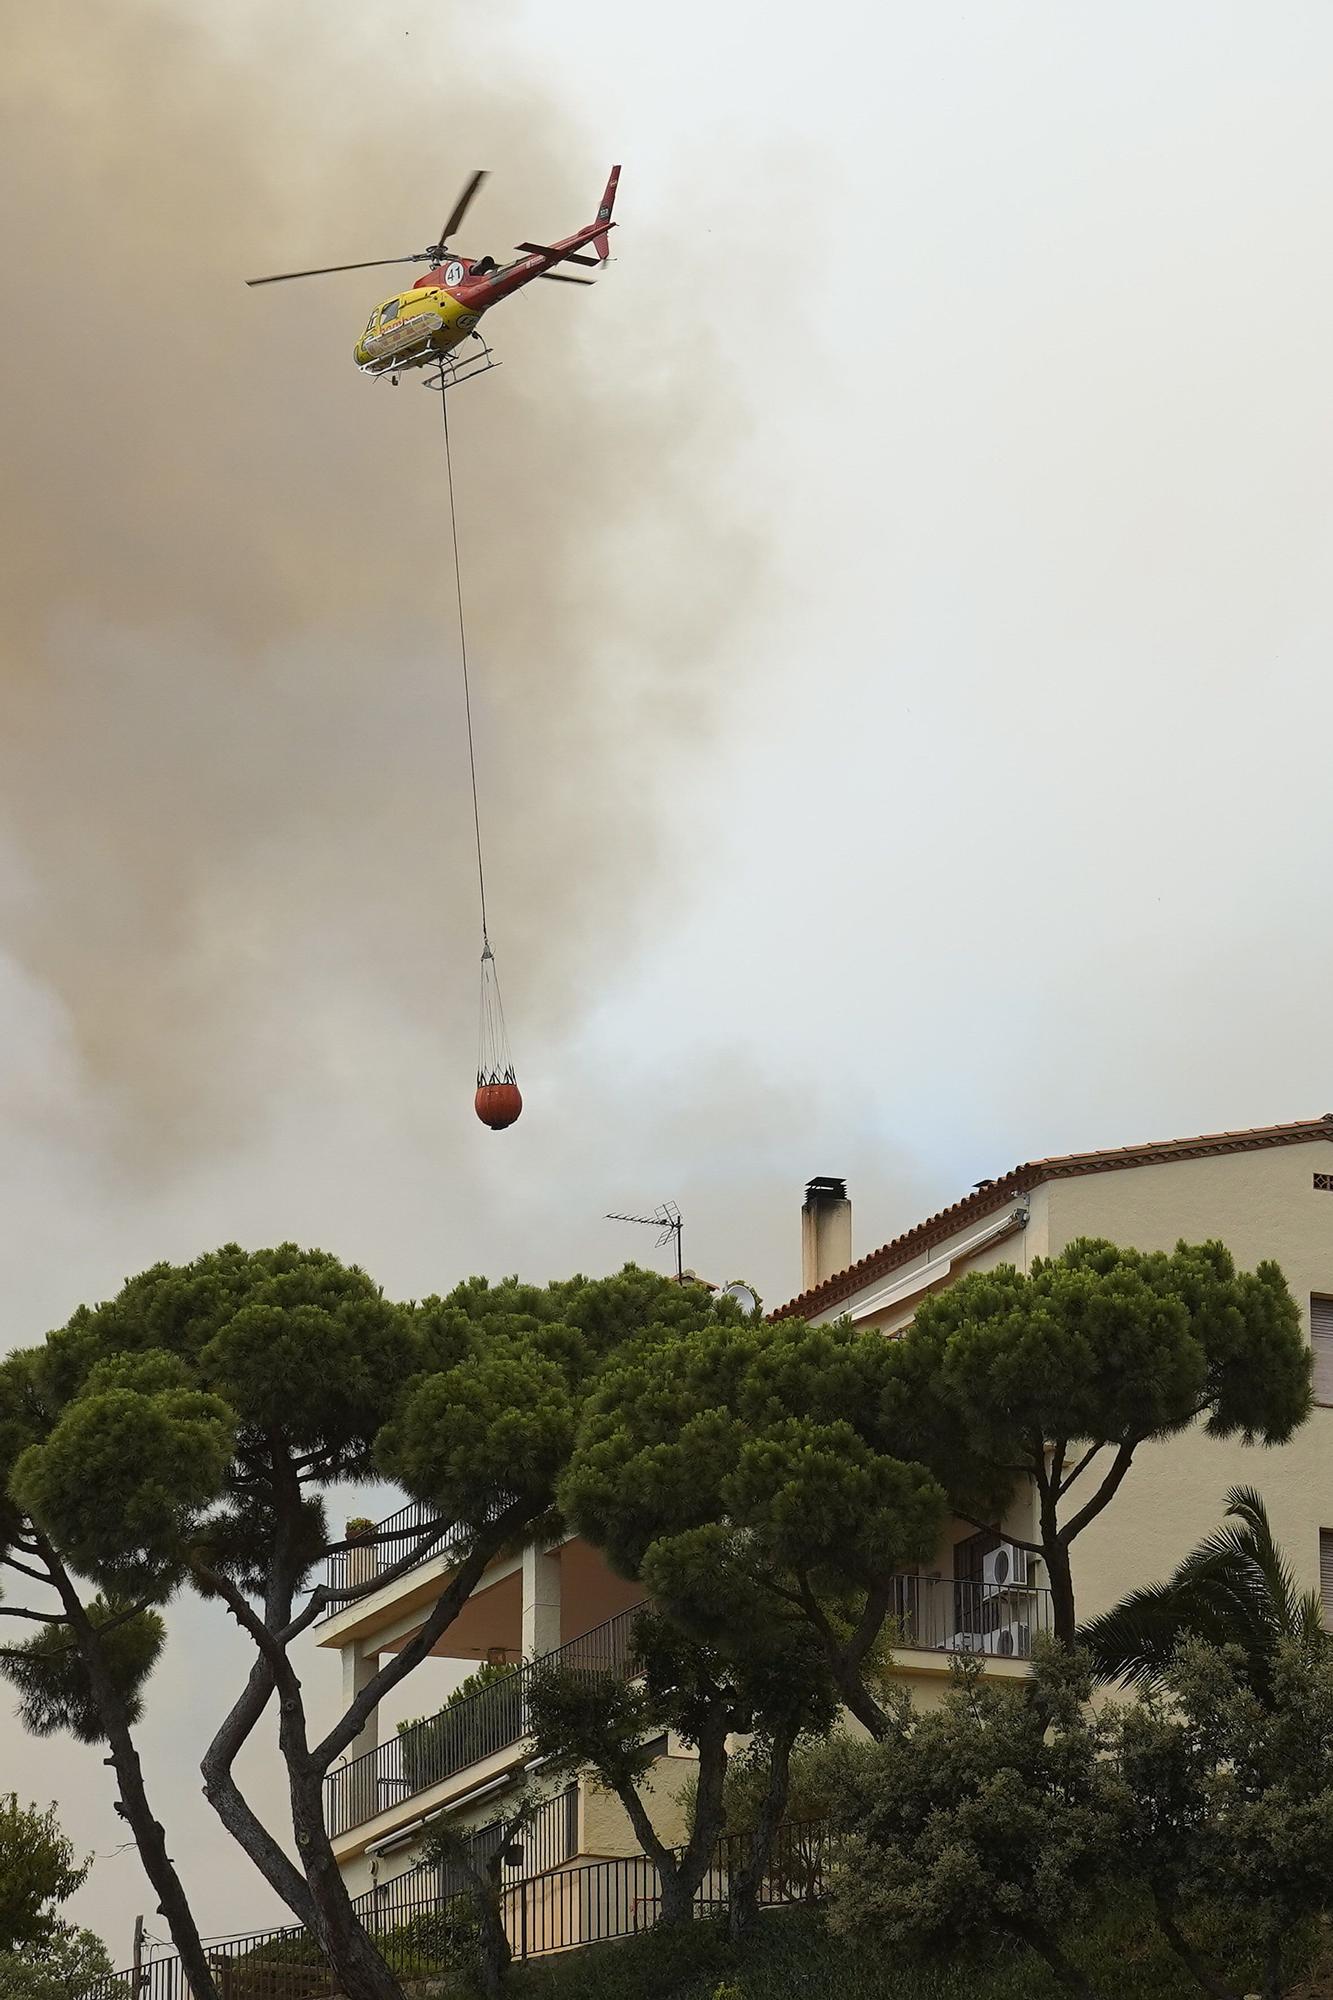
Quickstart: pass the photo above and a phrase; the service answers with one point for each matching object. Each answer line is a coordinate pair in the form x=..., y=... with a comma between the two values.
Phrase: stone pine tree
x=305, y=1377
x=1059, y=1376
x=90, y=1648
x=744, y=1464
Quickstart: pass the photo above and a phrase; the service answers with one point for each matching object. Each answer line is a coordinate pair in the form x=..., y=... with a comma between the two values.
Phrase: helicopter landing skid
x=455, y=367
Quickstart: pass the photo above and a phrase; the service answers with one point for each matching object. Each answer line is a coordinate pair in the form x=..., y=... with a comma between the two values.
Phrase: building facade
x=1265, y=1193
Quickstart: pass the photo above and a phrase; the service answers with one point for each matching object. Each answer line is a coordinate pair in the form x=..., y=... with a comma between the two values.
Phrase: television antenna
x=668, y=1221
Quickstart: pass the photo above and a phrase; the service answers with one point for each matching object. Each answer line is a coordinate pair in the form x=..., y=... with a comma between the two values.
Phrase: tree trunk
x=679, y=1880
x=1066, y=1975
x=1273, y=1969
x=150, y=1840
x=358, y=1967
x=676, y=1894
x=1200, y=1972
x=492, y=1937
x=860, y=1702
x=1055, y=1554
x=743, y=1896
x=232, y=1808
x=149, y=1837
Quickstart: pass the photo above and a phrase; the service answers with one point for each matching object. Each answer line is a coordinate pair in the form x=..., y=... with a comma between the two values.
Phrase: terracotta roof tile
x=1060, y=1166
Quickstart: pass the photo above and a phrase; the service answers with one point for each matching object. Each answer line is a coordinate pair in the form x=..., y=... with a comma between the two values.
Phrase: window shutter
x=1321, y=1339
x=1326, y=1575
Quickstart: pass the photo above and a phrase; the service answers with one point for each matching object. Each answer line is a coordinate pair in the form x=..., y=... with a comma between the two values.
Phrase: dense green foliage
x=52, y=1678
x=38, y=1872
x=793, y=1956
x=752, y=1477
x=993, y=1816
x=1232, y=1799
x=191, y=1432
x=63, y=1967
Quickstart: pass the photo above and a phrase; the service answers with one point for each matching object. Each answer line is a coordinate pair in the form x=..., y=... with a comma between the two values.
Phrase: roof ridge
x=1030, y=1173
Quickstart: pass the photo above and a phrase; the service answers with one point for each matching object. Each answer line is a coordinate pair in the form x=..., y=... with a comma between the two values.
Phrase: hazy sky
x=900, y=605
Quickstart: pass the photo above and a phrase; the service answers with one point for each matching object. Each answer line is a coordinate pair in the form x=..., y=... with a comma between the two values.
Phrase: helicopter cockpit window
x=389, y=312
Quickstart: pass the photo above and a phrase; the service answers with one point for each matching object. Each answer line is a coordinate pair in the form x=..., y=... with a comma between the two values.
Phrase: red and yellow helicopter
x=421, y=328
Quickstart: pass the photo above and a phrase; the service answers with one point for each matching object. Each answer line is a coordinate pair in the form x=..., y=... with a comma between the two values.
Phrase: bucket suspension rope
x=498, y=1101
x=467, y=687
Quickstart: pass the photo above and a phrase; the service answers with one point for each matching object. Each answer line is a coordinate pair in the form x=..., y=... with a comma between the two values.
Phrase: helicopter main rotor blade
x=564, y=278
x=462, y=205
x=281, y=277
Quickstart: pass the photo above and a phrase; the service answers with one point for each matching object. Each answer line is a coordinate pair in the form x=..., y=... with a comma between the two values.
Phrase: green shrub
x=283, y=1968
x=792, y=1956
x=434, y=1745
x=437, y=1941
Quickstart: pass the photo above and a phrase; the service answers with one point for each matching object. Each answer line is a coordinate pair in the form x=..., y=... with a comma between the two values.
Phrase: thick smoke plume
x=233, y=808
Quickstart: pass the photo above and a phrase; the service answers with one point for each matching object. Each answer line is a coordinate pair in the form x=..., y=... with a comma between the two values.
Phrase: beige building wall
x=1263, y=1205
x=604, y=1826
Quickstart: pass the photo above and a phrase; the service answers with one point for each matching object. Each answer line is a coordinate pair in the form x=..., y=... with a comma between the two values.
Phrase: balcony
x=548, y=1840
x=931, y=1615
x=359, y=1566
x=466, y=1732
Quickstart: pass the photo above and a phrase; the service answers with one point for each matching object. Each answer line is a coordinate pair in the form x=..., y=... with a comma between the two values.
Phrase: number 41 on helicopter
x=421, y=328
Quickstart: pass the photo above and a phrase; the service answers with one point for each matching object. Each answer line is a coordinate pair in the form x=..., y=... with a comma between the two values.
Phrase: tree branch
x=323, y=1595
x=38, y=1576
x=38, y=1617
x=1064, y=1485
x=870, y=1624
x=1106, y=1492
x=234, y=1809
x=1058, y=1462
x=268, y=1643
x=994, y=1528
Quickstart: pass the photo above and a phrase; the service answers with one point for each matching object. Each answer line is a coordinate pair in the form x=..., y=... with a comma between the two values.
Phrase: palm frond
x=1236, y=1588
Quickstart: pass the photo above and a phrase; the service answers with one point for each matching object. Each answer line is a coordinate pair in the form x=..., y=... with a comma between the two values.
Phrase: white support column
x=358, y=1795
x=541, y=1601
x=359, y=1669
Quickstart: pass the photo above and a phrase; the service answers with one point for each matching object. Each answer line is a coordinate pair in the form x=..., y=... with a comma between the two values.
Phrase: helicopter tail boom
x=601, y=243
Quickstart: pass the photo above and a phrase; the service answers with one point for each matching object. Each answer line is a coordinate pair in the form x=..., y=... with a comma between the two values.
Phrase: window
x=1321, y=1340
x=1326, y=1576
x=391, y=311
x=1324, y=1183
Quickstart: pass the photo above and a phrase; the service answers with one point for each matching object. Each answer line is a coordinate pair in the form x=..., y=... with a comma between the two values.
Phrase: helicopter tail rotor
x=601, y=243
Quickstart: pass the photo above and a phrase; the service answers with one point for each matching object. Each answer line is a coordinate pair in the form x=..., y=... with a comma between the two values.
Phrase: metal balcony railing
x=929, y=1614
x=944, y=1615
x=465, y=1732
x=549, y=1839
x=388, y=1543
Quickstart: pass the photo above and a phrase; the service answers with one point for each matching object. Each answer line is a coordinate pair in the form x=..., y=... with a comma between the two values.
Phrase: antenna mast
x=668, y=1221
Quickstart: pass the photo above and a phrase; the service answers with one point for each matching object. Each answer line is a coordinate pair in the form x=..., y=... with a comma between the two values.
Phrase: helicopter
x=422, y=327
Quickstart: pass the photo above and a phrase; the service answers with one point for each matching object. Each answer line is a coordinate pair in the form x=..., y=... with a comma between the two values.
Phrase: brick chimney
x=826, y=1230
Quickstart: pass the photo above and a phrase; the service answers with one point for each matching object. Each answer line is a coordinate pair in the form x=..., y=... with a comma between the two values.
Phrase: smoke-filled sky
x=899, y=601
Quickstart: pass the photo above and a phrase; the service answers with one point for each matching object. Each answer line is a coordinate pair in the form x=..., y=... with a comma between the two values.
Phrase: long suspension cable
x=467, y=690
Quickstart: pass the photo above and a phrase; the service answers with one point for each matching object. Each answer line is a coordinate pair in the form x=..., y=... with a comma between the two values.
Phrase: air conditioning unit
x=971, y=1642
x=1011, y=1641
x=1005, y=1568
